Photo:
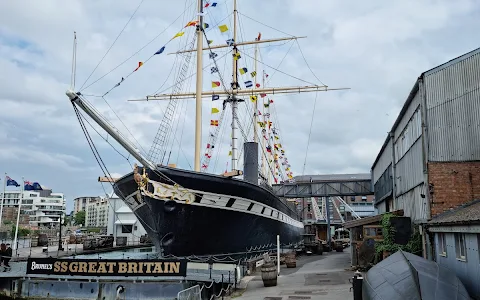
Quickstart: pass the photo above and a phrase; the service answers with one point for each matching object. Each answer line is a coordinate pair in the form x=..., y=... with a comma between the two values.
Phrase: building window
x=442, y=244
x=127, y=228
x=352, y=198
x=309, y=206
x=364, y=198
x=460, y=247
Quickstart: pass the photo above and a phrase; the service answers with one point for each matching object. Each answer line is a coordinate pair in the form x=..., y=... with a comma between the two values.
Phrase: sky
x=375, y=48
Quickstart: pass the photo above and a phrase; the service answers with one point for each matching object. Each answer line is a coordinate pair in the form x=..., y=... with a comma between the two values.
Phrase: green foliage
x=7, y=222
x=80, y=218
x=414, y=244
x=66, y=220
x=93, y=229
x=21, y=231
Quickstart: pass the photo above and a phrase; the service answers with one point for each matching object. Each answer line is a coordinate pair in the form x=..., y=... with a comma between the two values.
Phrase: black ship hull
x=209, y=215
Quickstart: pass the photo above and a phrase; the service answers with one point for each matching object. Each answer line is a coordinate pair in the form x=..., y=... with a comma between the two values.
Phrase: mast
x=255, y=111
x=198, y=96
x=234, y=88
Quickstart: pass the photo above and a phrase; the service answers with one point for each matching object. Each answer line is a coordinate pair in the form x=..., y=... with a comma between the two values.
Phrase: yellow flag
x=214, y=110
x=230, y=153
x=253, y=98
x=236, y=55
x=178, y=35
x=223, y=28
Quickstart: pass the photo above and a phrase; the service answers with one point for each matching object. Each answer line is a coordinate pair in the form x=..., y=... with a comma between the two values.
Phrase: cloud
x=377, y=49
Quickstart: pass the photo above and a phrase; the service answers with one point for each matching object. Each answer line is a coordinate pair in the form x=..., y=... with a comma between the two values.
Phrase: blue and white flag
x=10, y=181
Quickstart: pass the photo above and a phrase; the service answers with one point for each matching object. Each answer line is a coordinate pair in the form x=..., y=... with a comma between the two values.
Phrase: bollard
x=235, y=278
x=221, y=291
x=357, y=282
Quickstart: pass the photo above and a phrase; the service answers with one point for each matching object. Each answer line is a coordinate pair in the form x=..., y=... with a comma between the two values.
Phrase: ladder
x=158, y=149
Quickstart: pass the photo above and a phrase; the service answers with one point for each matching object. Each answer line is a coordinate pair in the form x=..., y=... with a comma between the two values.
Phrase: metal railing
x=192, y=293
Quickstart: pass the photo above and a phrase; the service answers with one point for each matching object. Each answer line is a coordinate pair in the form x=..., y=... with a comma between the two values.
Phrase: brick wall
x=455, y=183
x=10, y=214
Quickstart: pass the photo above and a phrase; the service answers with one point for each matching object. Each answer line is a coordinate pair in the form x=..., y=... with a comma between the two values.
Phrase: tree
x=21, y=231
x=80, y=218
x=66, y=220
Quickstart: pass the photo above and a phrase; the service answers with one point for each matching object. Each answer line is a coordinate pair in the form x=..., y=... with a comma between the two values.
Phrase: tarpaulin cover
x=407, y=276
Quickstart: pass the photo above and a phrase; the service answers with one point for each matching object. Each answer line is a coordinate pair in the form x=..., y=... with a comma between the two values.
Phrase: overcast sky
x=376, y=48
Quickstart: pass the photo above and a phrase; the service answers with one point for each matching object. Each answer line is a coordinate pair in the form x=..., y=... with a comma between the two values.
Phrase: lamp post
x=60, y=246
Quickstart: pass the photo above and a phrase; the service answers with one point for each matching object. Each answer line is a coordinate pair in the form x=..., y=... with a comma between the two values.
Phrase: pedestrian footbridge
x=326, y=186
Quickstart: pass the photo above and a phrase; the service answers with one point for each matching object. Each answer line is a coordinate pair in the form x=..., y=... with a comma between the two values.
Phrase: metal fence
x=192, y=293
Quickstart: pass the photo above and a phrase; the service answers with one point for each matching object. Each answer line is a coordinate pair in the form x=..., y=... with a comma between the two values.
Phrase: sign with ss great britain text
x=106, y=267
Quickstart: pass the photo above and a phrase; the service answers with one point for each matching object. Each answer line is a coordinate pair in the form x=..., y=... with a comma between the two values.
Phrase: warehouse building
x=430, y=161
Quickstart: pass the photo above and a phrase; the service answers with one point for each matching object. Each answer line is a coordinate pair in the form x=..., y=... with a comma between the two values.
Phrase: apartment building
x=96, y=212
x=80, y=203
x=43, y=209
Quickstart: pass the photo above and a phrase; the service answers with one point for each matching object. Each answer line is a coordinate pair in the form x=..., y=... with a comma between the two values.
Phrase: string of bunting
x=278, y=156
x=162, y=49
x=271, y=136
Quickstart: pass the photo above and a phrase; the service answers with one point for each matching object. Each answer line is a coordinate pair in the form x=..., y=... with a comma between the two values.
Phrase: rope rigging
x=170, y=125
x=158, y=149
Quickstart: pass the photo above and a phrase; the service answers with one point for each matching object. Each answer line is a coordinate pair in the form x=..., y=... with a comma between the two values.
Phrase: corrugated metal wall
x=384, y=185
x=453, y=109
x=467, y=271
x=382, y=208
x=384, y=161
x=410, y=114
x=410, y=134
x=409, y=171
x=412, y=203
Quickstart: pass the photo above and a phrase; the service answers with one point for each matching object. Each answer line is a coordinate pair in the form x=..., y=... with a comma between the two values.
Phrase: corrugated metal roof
x=334, y=177
x=467, y=213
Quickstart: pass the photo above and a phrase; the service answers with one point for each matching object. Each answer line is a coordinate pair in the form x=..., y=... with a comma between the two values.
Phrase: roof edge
x=453, y=210
x=451, y=62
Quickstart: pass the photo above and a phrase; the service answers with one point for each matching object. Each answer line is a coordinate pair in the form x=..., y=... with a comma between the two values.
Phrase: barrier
x=192, y=293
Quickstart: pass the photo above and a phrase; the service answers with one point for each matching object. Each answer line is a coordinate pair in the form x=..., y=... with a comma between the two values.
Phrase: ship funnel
x=250, y=162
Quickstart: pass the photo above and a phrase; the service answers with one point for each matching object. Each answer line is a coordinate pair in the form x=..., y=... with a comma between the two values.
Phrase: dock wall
x=54, y=289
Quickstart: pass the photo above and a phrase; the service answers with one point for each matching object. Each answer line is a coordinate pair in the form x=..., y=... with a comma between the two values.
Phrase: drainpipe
x=426, y=245
x=394, y=185
x=422, y=90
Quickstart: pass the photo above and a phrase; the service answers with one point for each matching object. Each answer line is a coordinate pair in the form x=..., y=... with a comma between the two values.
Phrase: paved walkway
x=316, y=277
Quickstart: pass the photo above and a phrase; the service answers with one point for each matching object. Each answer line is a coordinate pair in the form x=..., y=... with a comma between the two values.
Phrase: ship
x=193, y=212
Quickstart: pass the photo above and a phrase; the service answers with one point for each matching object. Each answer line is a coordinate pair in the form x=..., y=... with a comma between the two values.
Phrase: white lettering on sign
x=36, y=266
